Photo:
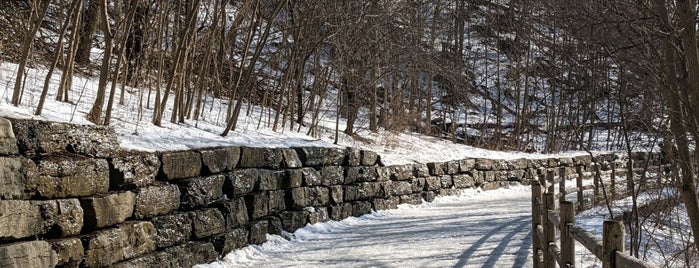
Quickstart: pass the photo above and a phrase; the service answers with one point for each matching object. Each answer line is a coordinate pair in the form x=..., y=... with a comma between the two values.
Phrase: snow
x=474, y=229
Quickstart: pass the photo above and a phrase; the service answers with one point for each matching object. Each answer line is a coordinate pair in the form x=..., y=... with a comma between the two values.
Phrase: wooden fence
x=546, y=219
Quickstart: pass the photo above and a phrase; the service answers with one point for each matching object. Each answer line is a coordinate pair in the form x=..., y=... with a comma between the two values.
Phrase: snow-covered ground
x=474, y=229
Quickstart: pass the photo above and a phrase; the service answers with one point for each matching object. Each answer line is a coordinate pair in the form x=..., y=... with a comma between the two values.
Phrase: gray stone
x=260, y=158
x=360, y=208
x=270, y=180
x=291, y=159
x=227, y=242
x=384, y=173
x=8, y=142
x=258, y=232
x=277, y=202
x=181, y=165
x=402, y=172
x=369, y=190
x=13, y=183
x=336, y=194
x=452, y=167
x=42, y=138
x=199, y=192
x=293, y=220
x=242, y=181
x=321, y=156
x=490, y=175
x=193, y=253
x=64, y=176
x=463, y=181
x=436, y=169
x=566, y=161
x=156, y=200
x=413, y=199
x=20, y=219
x=319, y=196
x=500, y=164
x=128, y=240
x=518, y=164
x=311, y=177
x=466, y=165
x=447, y=181
x=421, y=171
x=258, y=205
x=207, y=222
x=384, y=204
x=27, y=254
x=69, y=251
x=318, y=214
x=369, y=158
x=300, y=198
x=131, y=169
x=448, y=192
x=418, y=185
x=294, y=178
x=484, y=164
x=332, y=175
x=429, y=196
x=354, y=157
x=103, y=211
x=340, y=212
x=234, y=211
x=433, y=184
x=220, y=159
x=351, y=193
x=397, y=188
x=360, y=174
x=171, y=230
x=583, y=160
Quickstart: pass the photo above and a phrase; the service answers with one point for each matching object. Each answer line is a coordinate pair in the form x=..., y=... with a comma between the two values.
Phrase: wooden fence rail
x=546, y=219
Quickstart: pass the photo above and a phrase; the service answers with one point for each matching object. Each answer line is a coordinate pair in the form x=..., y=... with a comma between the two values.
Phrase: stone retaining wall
x=70, y=197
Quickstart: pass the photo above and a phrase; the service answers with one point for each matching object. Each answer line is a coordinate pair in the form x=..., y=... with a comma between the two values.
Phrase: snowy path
x=475, y=229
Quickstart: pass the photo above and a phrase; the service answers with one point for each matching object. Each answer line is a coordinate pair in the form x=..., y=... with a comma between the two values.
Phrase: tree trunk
x=89, y=19
x=38, y=13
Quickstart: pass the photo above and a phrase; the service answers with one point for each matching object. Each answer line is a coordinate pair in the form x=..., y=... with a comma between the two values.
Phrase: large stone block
x=258, y=232
x=351, y=193
x=13, y=182
x=234, y=239
x=311, y=177
x=258, y=205
x=421, y=171
x=27, y=254
x=369, y=158
x=175, y=229
x=360, y=208
x=271, y=180
x=332, y=175
x=220, y=159
x=463, y=181
x=484, y=164
x=53, y=218
x=207, y=222
x=466, y=165
x=318, y=214
x=107, y=210
x=8, y=142
x=369, y=190
x=187, y=255
x=241, y=182
x=396, y=188
x=41, y=138
x=336, y=194
x=321, y=156
x=109, y=246
x=131, y=169
x=418, y=185
x=69, y=251
x=447, y=181
x=340, y=212
x=180, y=165
x=291, y=159
x=68, y=176
x=384, y=173
x=277, y=201
x=201, y=191
x=436, y=168
x=353, y=157
x=234, y=211
x=319, y=196
x=156, y=200
x=402, y=172
x=251, y=157
x=294, y=178
x=452, y=167
x=361, y=174
x=293, y=220
x=433, y=183
x=300, y=198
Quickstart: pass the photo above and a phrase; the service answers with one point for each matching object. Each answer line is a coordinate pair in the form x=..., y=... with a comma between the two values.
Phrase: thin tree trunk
x=38, y=14
x=96, y=112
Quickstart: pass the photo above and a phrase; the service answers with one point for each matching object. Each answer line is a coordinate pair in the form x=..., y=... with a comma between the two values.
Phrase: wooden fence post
x=612, y=241
x=536, y=221
x=612, y=179
x=562, y=183
x=579, y=184
x=549, y=230
x=551, y=181
x=567, y=242
x=596, y=182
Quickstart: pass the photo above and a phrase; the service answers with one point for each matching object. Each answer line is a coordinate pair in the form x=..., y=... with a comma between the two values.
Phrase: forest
x=529, y=75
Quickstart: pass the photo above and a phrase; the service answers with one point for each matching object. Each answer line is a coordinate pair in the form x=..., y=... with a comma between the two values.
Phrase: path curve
x=475, y=229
